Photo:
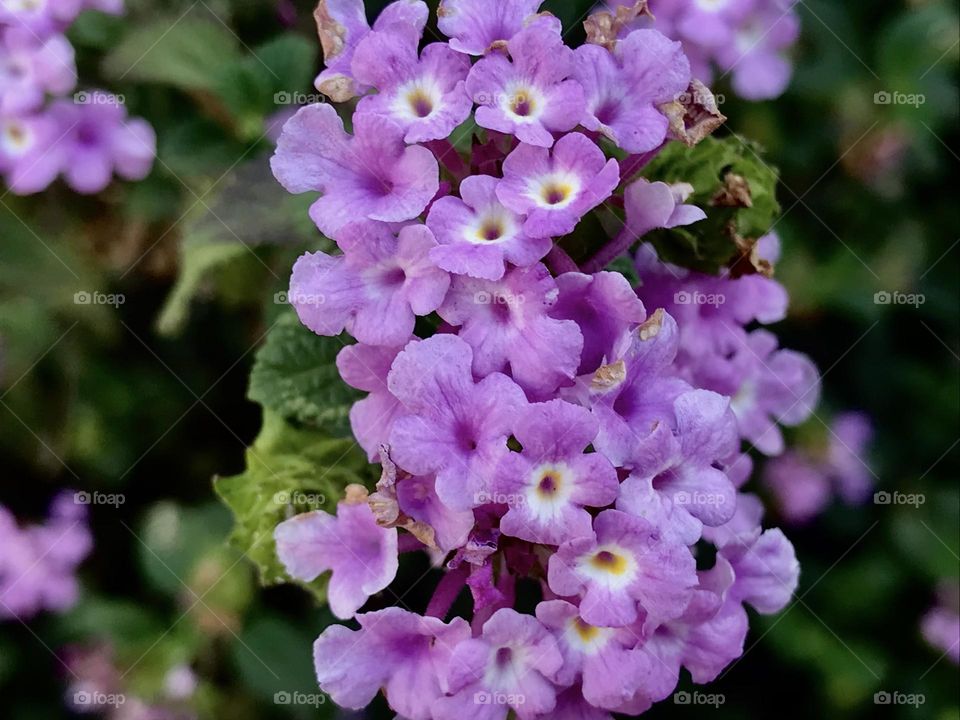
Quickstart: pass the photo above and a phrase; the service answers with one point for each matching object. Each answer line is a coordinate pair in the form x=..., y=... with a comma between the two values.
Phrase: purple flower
x=38, y=562
x=342, y=25
x=604, y=658
x=765, y=569
x=711, y=24
x=658, y=205
x=748, y=39
x=556, y=189
x=404, y=654
x=850, y=436
x=505, y=669
x=477, y=26
x=531, y=95
x=704, y=639
x=361, y=555
x=635, y=391
x=775, y=386
x=804, y=479
x=371, y=175
x=707, y=306
x=549, y=483
x=97, y=140
x=411, y=502
x=756, y=56
x=624, y=88
x=477, y=235
x=26, y=158
x=571, y=705
x=507, y=325
x=941, y=625
x=604, y=306
x=424, y=96
x=801, y=489
x=365, y=367
x=417, y=497
x=453, y=426
x=376, y=289
x=625, y=566
x=30, y=67
x=674, y=474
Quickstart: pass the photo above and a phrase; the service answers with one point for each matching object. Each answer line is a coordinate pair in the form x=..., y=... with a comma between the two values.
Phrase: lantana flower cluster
x=39, y=561
x=47, y=130
x=566, y=445
x=746, y=40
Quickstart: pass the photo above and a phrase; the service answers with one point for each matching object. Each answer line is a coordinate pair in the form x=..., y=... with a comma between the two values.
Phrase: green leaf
x=273, y=656
x=224, y=234
x=295, y=375
x=288, y=471
x=95, y=30
x=289, y=61
x=178, y=51
x=198, y=261
x=707, y=245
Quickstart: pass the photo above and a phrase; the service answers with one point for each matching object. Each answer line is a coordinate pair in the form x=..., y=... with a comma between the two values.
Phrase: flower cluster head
x=39, y=562
x=535, y=418
x=46, y=129
x=746, y=40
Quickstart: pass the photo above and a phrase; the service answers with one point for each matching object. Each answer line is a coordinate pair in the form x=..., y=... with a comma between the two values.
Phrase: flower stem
x=560, y=262
x=446, y=593
x=610, y=252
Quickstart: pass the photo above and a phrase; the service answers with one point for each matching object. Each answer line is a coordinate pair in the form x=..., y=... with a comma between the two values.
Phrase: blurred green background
x=148, y=398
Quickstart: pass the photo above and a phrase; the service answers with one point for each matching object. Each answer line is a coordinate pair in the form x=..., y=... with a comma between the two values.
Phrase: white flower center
x=549, y=487
x=23, y=5
x=523, y=103
x=744, y=400
x=15, y=138
x=493, y=225
x=588, y=639
x=609, y=565
x=417, y=100
x=506, y=668
x=555, y=191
